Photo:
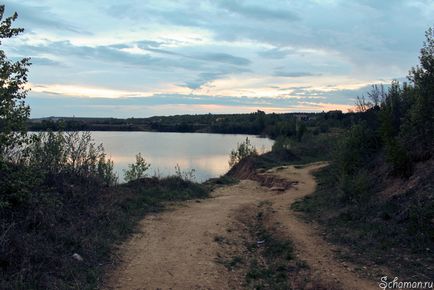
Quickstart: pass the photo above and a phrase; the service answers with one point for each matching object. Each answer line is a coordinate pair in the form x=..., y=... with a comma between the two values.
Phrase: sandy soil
x=177, y=249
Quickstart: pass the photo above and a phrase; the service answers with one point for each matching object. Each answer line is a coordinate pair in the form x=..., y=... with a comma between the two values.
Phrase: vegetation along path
x=177, y=249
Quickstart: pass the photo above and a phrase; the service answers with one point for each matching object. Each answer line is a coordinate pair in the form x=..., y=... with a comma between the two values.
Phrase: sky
x=144, y=58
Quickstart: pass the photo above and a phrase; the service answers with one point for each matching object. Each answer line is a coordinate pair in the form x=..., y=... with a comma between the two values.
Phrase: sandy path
x=309, y=244
x=176, y=249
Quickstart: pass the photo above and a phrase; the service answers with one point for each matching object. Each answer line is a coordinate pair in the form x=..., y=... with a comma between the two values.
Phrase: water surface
x=207, y=154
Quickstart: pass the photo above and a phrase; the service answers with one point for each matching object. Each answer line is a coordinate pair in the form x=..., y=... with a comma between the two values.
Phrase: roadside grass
x=257, y=257
x=38, y=241
x=394, y=232
x=272, y=260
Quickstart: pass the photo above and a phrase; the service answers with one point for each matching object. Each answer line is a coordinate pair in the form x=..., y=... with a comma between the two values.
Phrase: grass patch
x=269, y=266
x=261, y=258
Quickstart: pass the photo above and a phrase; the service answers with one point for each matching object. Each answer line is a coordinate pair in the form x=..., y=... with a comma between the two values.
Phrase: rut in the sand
x=177, y=249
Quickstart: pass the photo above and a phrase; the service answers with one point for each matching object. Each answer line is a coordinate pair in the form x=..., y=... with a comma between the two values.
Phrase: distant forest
x=257, y=123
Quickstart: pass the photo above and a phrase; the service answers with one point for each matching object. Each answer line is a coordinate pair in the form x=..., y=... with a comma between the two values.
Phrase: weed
x=219, y=239
x=231, y=263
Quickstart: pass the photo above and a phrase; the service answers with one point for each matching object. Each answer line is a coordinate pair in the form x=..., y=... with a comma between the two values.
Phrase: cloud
x=169, y=105
x=39, y=16
x=203, y=79
x=105, y=53
x=290, y=74
x=276, y=53
x=40, y=61
x=225, y=58
x=294, y=51
x=334, y=94
x=85, y=91
x=200, y=65
x=207, y=56
x=258, y=12
x=44, y=61
x=291, y=99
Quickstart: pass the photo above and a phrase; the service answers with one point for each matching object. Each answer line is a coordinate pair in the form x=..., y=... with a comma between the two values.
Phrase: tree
x=13, y=77
x=375, y=96
x=418, y=130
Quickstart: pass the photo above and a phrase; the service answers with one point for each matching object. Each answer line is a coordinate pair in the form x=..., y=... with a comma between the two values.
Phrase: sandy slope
x=176, y=249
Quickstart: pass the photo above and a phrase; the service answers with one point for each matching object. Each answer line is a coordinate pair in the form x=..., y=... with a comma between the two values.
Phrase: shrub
x=105, y=171
x=137, y=170
x=355, y=149
x=353, y=156
x=46, y=153
x=16, y=184
x=355, y=188
x=71, y=153
x=187, y=175
x=243, y=150
x=397, y=155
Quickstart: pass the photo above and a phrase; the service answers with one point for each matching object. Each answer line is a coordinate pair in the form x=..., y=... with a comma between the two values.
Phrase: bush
x=187, y=175
x=16, y=184
x=72, y=154
x=355, y=149
x=355, y=188
x=137, y=170
x=243, y=150
x=399, y=158
x=352, y=159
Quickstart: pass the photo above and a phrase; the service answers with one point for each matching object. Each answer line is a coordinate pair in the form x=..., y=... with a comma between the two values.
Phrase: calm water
x=207, y=154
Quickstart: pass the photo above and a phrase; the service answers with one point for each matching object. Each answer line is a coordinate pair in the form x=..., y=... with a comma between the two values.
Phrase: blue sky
x=144, y=58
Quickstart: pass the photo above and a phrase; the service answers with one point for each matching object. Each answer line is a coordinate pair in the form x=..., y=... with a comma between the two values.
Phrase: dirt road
x=177, y=249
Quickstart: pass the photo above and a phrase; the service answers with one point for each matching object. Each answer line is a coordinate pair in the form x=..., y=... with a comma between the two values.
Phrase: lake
x=207, y=154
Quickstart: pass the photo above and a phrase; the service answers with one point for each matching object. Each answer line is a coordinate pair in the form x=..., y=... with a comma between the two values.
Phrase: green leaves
x=138, y=169
x=71, y=153
x=13, y=77
x=243, y=150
